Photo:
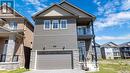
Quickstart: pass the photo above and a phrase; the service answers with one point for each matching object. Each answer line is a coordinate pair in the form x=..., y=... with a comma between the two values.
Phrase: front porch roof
x=4, y=32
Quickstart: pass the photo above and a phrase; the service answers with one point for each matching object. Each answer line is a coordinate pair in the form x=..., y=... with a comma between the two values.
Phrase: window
x=47, y=24
x=13, y=25
x=55, y=24
x=63, y=24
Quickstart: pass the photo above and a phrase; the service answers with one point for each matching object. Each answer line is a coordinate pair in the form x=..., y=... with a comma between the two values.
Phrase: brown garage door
x=54, y=60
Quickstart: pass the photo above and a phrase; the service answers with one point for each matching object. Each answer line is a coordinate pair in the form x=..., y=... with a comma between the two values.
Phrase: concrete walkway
x=57, y=71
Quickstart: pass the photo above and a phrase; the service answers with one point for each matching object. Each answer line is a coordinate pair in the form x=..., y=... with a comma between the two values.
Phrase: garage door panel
x=54, y=61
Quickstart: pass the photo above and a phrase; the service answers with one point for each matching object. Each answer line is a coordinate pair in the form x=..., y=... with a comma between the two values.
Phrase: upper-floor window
x=55, y=24
x=63, y=24
x=13, y=25
x=47, y=24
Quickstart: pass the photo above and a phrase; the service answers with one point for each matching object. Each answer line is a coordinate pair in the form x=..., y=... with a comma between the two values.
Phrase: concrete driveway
x=57, y=71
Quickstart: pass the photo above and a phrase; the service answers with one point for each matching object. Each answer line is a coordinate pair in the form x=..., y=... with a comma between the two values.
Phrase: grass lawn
x=114, y=66
x=14, y=71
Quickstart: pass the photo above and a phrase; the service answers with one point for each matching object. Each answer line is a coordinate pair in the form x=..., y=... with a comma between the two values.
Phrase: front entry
x=54, y=60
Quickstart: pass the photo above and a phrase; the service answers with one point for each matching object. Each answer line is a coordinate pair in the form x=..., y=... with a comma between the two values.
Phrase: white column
x=10, y=48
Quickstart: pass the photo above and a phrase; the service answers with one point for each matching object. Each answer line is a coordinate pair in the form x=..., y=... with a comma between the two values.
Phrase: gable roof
x=16, y=13
x=40, y=12
x=109, y=44
x=96, y=44
x=127, y=44
x=66, y=9
x=78, y=9
x=13, y=10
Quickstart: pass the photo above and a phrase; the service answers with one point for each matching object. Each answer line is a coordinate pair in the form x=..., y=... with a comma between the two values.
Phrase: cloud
x=113, y=38
x=33, y=1
x=112, y=13
x=113, y=19
x=126, y=5
x=37, y=4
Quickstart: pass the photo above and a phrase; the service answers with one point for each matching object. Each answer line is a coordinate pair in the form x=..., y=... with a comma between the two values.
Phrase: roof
x=78, y=9
x=15, y=12
x=126, y=44
x=66, y=9
x=97, y=45
x=109, y=44
x=40, y=12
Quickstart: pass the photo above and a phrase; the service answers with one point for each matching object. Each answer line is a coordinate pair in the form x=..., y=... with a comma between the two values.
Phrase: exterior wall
x=59, y=38
x=125, y=52
x=109, y=53
x=33, y=59
x=28, y=34
x=116, y=53
x=98, y=49
x=9, y=66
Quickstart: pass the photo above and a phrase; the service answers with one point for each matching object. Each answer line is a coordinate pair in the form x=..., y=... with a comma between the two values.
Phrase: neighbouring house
x=16, y=35
x=63, y=37
x=110, y=50
x=98, y=50
x=125, y=50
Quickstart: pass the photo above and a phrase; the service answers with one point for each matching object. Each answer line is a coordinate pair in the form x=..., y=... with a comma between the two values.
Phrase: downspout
x=94, y=46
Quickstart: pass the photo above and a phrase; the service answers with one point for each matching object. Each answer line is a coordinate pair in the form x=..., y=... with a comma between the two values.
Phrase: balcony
x=126, y=50
x=84, y=32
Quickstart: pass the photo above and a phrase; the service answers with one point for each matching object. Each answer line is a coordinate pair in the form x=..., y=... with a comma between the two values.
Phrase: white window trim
x=49, y=25
x=53, y=24
x=66, y=23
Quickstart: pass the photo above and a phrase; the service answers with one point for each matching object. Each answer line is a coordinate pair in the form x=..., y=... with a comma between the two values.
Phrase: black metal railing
x=3, y=57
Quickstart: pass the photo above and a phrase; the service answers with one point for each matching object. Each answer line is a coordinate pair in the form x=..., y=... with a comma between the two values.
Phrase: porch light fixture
x=44, y=48
x=63, y=47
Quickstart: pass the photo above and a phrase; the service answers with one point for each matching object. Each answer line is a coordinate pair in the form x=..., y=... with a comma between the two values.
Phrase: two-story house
x=125, y=50
x=110, y=50
x=16, y=34
x=62, y=38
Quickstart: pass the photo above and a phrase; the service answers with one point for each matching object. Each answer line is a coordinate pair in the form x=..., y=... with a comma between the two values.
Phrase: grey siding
x=58, y=38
